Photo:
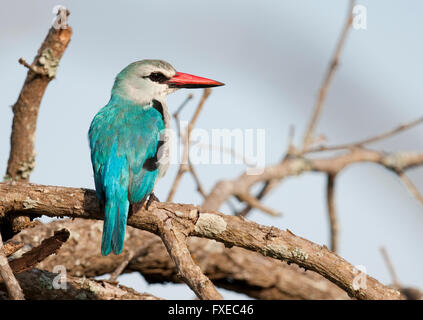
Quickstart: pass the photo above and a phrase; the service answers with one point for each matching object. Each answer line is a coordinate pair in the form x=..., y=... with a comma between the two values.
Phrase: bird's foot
x=150, y=200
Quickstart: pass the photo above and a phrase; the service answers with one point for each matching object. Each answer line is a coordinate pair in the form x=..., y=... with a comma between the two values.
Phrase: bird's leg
x=151, y=198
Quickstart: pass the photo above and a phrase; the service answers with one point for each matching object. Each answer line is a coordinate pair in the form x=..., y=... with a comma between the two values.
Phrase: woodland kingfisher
x=129, y=143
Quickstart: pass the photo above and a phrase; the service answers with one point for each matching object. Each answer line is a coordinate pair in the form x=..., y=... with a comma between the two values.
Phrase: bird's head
x=145, y=80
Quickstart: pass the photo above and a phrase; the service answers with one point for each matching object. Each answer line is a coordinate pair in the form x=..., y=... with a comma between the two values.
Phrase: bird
x=129, y=142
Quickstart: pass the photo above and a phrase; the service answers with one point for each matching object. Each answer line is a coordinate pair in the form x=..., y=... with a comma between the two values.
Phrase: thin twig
x=182, y=106
x=308, y=137
x=178, y=111
x=255, y=203
x=184, y=167
x=132, y=254
x=33, y=68
x=391, y=268
x=13, y=287
x=271, y=184
x=194, y=174
x=376, y=138
x=333, y=221
x=410, y=186
x=296, y=165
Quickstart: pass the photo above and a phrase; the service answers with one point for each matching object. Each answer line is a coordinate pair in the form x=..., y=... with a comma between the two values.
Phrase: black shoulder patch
x=158, y=106
x=152, y=164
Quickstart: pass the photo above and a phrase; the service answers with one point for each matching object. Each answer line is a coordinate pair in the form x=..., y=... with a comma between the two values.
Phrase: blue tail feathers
x=115, y=216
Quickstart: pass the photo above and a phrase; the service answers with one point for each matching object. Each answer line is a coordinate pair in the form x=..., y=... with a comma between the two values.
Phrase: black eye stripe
x=157, y=77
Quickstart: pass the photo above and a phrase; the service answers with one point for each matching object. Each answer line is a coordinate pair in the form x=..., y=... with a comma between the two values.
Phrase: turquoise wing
x=123, y=137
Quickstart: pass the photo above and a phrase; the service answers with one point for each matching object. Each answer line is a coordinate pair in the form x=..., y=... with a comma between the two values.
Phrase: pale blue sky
x=272, y=55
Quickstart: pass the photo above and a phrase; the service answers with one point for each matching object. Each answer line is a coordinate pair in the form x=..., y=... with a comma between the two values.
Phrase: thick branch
x=176, y=245
x=25, y=111
x=230, y=230
x=47, y=247
x=43, y=285
x=232, y=268
x=22, y=154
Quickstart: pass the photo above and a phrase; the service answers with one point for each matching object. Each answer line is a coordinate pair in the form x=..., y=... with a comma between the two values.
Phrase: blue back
x=123, y=135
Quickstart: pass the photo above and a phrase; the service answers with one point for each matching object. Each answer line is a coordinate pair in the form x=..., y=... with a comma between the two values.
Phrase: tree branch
x=39, y=285
x=12, y=285
x=230, y=230
x=364, y=142
x=308, y=137
x=232, y=268
x=175, y=242
x=186, y=164
x=333, y=221
x=40, y=73
x=47, y=247
x=296, y=165
x=25, y=111
x=11, y=247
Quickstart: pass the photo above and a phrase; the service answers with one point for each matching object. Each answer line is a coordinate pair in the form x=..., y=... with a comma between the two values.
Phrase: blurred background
x=272, y=55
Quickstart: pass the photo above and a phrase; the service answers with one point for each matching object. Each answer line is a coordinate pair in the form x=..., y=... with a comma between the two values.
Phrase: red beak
x=185, y=80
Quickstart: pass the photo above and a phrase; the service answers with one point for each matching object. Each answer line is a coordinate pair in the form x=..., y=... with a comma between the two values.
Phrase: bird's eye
x=157, y=77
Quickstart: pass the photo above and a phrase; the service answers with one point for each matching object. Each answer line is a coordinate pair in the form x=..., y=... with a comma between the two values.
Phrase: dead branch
x=195, y=221
x=364, y=142
x=333, y=221
x=296, y=165
x=40, y=73
x=176, y=244
x=196, y=178
x=391, y=268
x=255, y=203
x=132, y=254
x=41, y=285
x=308, y=137
x=408, y=292
x=410, y=186
x=25, y=111
x=47, y=247
x=11, y=247
x=13, y=288
x=185, y=164
x=233, y=268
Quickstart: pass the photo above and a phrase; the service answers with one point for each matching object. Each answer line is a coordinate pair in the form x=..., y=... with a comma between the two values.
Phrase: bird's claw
x=150, y=200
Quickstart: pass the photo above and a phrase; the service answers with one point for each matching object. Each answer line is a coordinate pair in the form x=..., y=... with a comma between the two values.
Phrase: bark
x=47, y=247
x=231, y=268
x=22, y=153
x=43, y=285
x=230, y=230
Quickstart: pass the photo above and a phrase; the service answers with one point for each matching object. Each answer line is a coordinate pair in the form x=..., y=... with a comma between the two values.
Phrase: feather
x=123, y=136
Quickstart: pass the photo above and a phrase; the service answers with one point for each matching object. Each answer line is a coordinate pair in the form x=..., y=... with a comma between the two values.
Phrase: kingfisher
x=129, y=142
